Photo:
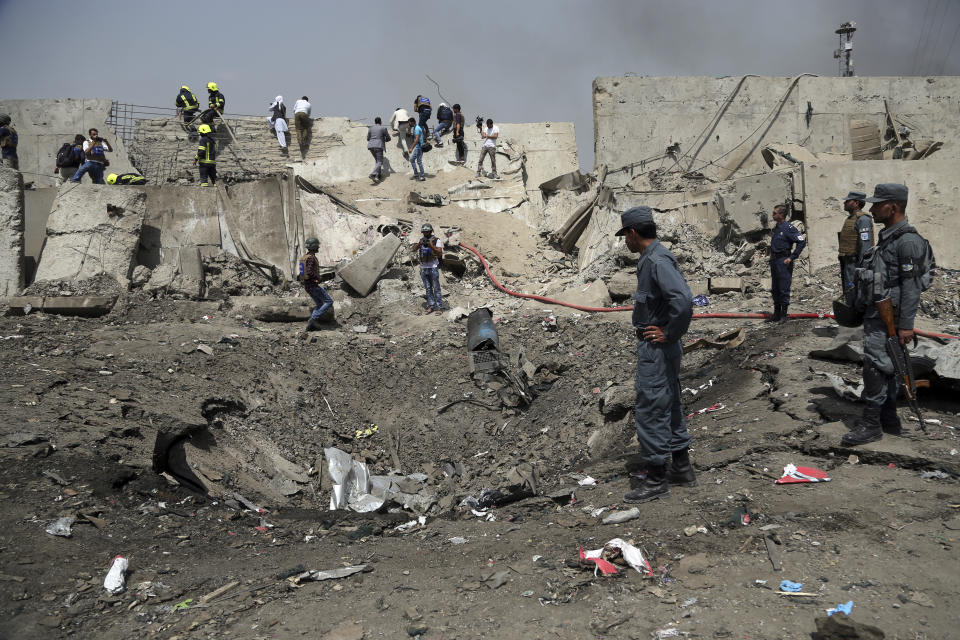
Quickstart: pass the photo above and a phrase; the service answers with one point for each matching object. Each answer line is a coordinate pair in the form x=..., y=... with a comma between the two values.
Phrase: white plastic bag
x=115, y=581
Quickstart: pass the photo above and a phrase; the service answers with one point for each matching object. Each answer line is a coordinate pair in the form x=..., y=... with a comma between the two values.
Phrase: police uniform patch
x=800, y=238
x=864, y=235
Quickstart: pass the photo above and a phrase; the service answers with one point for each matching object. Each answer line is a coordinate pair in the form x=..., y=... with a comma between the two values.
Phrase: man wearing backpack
x=444, y=122
x=8, y=143
x=901, y=265
x=69, y=158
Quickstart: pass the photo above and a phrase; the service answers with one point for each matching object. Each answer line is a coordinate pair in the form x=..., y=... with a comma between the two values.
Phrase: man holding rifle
x=890, y=279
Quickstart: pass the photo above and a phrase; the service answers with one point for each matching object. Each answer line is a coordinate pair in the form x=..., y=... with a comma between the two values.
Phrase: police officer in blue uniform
x=663, y=307
x=785, y=246
x=853, y=240
x=894, y=269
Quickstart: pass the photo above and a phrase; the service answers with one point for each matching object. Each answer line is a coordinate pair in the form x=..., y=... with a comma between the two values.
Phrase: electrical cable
x=696, y=316
x=923, y=28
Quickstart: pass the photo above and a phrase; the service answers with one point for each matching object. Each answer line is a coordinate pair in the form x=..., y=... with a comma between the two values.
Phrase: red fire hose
x=696, y=316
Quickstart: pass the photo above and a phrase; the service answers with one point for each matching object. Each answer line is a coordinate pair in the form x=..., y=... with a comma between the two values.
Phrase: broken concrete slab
x=92, y=230
x=192, y=283
x=363, y=271
x=342, y=234
x=84, y=306
x=622, y=284
x=11, y=231
x=272, y=309
x=593, y=294
x=746, y=204
x=725, y=285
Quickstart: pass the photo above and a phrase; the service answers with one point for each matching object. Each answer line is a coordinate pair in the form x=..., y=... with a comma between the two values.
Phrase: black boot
x=653, y=487
x=681, y=471
x=889, y=420
x=867, y=429
x=776, y=314
x=313, y=325
x=783, y=314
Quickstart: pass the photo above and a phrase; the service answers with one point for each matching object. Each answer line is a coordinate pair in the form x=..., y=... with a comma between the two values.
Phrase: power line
x=923, y=27
x=931, y=50
x=943, y=64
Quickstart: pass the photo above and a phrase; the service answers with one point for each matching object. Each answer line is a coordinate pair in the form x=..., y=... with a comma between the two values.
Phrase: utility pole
x=845, y=52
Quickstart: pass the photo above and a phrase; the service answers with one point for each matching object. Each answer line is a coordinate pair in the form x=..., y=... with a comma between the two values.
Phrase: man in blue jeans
x=416, y=154
x=430, y=250
x=310, y=277
x=96, y=159
x=445, y=122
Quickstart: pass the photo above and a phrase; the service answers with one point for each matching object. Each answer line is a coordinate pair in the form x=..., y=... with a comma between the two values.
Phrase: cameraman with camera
x=430, y=250
x=94, y=150
x=489, y=135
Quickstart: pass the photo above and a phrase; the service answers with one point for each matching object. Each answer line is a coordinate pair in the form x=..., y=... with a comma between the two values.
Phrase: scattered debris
x=115, y=582
x=61, y=527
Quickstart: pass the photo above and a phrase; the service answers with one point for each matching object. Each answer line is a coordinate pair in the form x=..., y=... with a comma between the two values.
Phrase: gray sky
x=514, y=61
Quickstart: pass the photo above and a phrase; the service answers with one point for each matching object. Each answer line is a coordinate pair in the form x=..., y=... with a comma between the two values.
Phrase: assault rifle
x=900, y=356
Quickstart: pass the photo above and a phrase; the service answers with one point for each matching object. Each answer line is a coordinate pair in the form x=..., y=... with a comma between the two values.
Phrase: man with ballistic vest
x=854, y=239
x=894, y=269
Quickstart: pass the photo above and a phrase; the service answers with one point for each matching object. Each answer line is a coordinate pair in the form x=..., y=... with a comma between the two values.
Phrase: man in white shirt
x=489, y=148
x=301, y=121
x=399, y=122
x=94, y=151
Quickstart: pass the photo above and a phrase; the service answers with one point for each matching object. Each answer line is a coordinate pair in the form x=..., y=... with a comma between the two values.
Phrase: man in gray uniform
x=893, y=269
x=663, y=307
x=854, y=238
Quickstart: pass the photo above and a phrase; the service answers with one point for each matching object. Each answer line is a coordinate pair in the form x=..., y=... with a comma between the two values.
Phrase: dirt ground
x=88, y=402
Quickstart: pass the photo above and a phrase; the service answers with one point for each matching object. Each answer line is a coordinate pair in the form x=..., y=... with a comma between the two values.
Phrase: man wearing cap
x=895, y=266
x=785, y=246
x=854, y=238
x=662, y=309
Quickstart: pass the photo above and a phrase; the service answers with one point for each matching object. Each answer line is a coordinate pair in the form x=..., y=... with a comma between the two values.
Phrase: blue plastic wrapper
x=701, y=300
x=792, y=587
x=846, y=608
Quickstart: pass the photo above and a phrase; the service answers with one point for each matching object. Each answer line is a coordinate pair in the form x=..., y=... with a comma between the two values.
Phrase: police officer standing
x=899, y=260
x=785, y=246
x=663, y=307
x=854, y=238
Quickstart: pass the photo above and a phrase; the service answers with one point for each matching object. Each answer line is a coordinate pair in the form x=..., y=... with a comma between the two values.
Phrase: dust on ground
x=88, y=400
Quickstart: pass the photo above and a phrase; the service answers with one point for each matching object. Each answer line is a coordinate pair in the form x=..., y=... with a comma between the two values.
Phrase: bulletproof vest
x=848, y=237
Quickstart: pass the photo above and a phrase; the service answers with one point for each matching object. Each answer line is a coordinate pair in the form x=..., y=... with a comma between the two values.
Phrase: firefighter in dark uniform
x=663, y=307
x=206, y=156
x=215, y=103
x=785, y=246
x=899, y=260
x=188, y=106
x=126, y=179
x=854, y=238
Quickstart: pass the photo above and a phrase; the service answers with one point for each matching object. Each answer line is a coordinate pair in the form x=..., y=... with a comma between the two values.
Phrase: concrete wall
x=338, y=151
x=44, y=125
x=11, y=232
x=934, y=206
x=638, y=118
x=93, y=229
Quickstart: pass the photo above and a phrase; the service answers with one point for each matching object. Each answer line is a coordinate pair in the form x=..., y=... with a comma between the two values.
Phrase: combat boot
x=776, y=314
x=681, y=471
x=653, y=487
x=783, y=314
x=867, y=429
x=889, y=420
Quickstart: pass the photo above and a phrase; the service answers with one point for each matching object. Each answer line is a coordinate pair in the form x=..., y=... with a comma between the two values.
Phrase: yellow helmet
x=204, y=129
x=212, y=86
x=112, y=178
x=185, y=87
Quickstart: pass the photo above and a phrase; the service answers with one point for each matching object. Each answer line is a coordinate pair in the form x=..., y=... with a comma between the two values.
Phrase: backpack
x=68, y=155
x=868, y=278
x=10, y=139
x=444, y=113
x=424, y=101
